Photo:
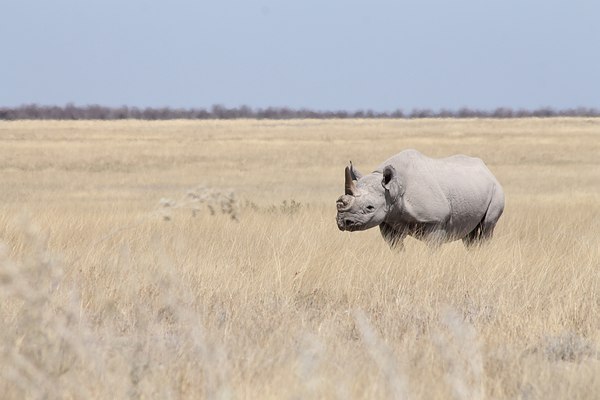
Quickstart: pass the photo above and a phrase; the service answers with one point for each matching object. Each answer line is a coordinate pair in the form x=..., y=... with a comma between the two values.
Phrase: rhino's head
x=363, y=205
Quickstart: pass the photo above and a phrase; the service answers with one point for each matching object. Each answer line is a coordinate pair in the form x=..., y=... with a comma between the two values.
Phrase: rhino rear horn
x=350, y=185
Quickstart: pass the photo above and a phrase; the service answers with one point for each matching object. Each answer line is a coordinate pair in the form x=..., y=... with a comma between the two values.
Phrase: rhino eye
x=370, y=208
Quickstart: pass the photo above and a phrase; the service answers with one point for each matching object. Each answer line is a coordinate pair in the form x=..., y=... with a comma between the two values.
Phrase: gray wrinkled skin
x=434, y=200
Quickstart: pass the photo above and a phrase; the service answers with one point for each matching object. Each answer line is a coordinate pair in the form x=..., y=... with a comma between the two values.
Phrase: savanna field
x=201, y=259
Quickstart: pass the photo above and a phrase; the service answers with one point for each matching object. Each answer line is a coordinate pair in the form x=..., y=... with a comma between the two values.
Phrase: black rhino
x=434, y=200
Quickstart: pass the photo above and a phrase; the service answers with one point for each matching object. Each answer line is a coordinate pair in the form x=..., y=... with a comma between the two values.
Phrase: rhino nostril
x=348, y=222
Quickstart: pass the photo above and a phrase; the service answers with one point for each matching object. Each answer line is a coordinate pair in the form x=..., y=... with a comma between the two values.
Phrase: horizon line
x=70, y=111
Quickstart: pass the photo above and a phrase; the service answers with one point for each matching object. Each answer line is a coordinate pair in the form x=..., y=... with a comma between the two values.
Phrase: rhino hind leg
x=481, y=234
x=393, y=237
x=492, y=215
x=474, y=237
x=485, y=229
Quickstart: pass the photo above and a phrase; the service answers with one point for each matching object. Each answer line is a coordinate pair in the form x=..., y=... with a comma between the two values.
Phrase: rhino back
x=454, y=192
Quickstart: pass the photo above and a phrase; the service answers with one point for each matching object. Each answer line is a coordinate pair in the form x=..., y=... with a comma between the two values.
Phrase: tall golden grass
x=190, y=259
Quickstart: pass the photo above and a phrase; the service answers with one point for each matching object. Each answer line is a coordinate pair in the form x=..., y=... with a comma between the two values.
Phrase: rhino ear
x=390, y=183
x=354, y=172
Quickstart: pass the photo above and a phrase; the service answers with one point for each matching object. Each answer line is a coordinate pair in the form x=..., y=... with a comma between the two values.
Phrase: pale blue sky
x=323, y=54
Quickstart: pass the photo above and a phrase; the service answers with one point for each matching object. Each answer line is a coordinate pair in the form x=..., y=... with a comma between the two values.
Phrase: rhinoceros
x=434, y=200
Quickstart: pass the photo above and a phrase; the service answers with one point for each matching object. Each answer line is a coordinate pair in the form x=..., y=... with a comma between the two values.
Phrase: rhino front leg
x=393, y=237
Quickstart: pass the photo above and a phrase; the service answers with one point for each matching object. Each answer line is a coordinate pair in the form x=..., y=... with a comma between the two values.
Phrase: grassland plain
x=201, y=259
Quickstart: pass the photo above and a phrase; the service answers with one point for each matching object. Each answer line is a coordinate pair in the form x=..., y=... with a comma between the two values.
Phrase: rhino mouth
x=346, y=224
x=349, y=225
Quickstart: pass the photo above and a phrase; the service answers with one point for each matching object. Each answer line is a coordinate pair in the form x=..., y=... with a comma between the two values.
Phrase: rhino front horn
x=350, y=185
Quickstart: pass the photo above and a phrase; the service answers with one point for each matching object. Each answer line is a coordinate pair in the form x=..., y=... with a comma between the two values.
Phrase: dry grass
x=159, y=260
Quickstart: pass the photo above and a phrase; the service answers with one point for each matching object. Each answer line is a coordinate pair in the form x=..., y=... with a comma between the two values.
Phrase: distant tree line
x=97, y=112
